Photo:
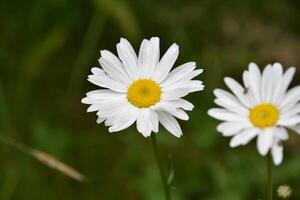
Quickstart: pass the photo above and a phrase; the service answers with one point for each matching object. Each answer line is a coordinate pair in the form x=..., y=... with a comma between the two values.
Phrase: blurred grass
x=46, y=51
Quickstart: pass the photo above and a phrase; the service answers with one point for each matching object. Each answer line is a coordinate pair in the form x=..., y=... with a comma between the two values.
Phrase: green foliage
x=46, y=51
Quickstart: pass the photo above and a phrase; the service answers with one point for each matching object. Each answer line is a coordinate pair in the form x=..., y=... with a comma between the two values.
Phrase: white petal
x=289, y=121
x=289, y=111
x=106, y=82
x=113, y=108
x=174, y=94
x=277, y=152
x=248, y=92
x=282, y=85
x=243, y=138
x=106, y=105
x=194, y=73
x=170, y=123
x=266, y=85
x=277, y=71
x=170, y=108
x=194, y=85
x=230, y=102
x=97, y=71
x=100, y=120
x=232, y=128
x=182, y=103
x=190, y=85
x=291, y=98
x=245, y=78
x=265, y=140
x=87, y=100
x=277, y=74
x=143, y=122
x=254, y=79
x=128, y=56
x=104, y=94
x=148, y=57
x=225, y=115
x=123, y=121
x=112, y=66
x=238, y=91
x=166, y=63
x=179, y=73
x=281, y=133
x=98, y=99
x=154, y=120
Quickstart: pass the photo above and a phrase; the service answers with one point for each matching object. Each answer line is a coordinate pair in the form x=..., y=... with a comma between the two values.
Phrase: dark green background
x=46, y=51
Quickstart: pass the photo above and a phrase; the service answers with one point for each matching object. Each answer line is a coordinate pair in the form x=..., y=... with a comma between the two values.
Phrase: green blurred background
x=46, y=51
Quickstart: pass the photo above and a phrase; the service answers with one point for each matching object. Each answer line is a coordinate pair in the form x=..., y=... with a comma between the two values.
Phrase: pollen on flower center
x=264, y=115
x=144, y=93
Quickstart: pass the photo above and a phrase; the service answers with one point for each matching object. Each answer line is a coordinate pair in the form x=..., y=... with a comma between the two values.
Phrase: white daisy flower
x=142, y=88
x=263, y=107
x=284, y=191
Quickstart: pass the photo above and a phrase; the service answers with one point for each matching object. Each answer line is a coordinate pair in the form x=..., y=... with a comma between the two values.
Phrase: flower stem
x=160, y=167
x=269, y=172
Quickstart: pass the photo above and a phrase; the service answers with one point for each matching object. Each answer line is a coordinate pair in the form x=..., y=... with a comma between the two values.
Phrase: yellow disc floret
x=144, y=93
x=264, y=115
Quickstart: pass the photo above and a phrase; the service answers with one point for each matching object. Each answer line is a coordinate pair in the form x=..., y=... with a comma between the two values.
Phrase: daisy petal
x=277, y=153
x=179, y=73
x=266, y=84
x=225, y=115
x=166, y=63
x=291, y=98
x=238, y=91
x=122, y=125
x=128, y=56
x=143, y=122
x=254, y=79
x=277, y=71
x=288, y=121
x=232, y=128
x=112, y=66
x=276, y=76
x=104, y=94
x=290, y=110
x=113, y=108
x=170, y=123
x=282, y=85
x=265, y=141
x=170, y=108
x=148, y=56
x=230, y=102
x=124, y=121
x=243, y=138
x=182, y=103
x=100, y=120
x=174, y=94
x=154, y=120
x=106, y=82
x=282, y=133
x=194, y=85
x=189, y=85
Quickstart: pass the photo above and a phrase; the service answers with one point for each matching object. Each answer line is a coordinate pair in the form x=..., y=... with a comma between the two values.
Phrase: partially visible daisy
x=142, y=88
x=262, y=108
x=284, y=191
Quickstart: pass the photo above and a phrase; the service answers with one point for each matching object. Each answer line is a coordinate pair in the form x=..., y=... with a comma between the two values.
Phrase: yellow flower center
x=144, y=93
x=264, y=115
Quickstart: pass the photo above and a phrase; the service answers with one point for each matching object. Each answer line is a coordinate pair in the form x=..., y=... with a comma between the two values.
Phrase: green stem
x=160, y=167
x=269, y=172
